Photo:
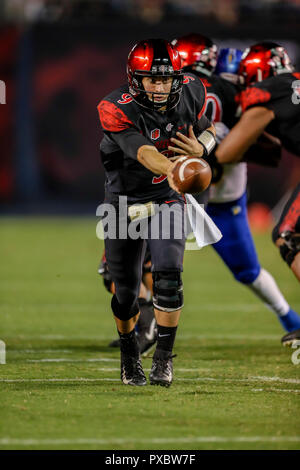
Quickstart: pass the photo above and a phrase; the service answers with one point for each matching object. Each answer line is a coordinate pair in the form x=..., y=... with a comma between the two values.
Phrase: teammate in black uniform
x=286, y=235
x=138, y=121
x=269, y=102
x=227, y=202
x=266, y=102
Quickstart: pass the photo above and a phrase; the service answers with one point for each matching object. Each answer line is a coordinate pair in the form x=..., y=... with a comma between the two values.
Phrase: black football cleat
x=289, y=338
x=162, y=369
x=131, y=370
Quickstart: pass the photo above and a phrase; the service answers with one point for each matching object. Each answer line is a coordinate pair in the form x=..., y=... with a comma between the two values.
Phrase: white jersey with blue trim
x=232, y=185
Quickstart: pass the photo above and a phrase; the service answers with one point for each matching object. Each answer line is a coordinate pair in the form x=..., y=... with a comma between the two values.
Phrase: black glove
x=216, y=167
x=266, y=151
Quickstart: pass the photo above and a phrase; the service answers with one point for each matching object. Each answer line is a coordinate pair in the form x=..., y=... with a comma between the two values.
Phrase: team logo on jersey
x=155, y=134
x=169, y=127
x=236, y=210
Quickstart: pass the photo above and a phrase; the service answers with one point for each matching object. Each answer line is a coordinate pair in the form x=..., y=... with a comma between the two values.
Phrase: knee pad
x=167, y=291
x=124, y=311
x=291, y=246
x=247, y=276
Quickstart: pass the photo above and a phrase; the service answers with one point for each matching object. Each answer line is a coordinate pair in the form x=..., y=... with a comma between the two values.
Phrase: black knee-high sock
x=129, y=344
x=165, y=337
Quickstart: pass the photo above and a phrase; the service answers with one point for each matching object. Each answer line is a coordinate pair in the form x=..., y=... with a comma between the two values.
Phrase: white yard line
x=7, y=441
x=181, y=379
x=208, y=335
x=39, y=351
x=283, y=390
x=64, y=359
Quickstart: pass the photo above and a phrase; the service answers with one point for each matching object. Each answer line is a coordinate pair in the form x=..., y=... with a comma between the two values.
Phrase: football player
x=286, y=235
x=270, y=101
x=138, y=120
x=228, y=201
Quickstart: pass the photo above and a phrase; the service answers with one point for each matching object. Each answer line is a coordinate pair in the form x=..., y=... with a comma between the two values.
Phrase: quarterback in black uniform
x=138, y=121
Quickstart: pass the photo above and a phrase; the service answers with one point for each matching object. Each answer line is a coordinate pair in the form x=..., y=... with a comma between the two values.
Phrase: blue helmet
x=228, y=63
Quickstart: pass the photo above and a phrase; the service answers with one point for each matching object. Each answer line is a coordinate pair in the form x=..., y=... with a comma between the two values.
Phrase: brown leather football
x=192, y=174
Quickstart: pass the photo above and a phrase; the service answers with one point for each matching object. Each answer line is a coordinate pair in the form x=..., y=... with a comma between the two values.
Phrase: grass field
x=235, y=387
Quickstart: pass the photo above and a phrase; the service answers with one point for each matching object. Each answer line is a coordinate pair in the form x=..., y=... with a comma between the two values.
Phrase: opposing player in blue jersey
x=228, y=201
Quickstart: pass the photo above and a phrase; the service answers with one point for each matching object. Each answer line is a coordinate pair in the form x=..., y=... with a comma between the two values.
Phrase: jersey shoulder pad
x=197, y=90
x=267, y=91
x=296, y=75
x=253, y=96
x=114, y=111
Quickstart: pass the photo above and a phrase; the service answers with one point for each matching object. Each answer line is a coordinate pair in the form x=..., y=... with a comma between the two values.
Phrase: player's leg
x=237, y=250
x=146, y=325
x=124, y=258
x=286, y=234
x=167, y=260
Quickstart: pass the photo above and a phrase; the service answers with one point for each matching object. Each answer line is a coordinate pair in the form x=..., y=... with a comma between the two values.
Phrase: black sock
x=165, y=337
x=128, y=343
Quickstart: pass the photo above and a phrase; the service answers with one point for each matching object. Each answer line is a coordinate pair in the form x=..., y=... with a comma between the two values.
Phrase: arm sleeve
x=129, y=141
x=201, y=125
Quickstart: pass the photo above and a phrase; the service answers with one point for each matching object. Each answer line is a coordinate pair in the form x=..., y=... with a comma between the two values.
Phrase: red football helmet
x=197, y=53
x=150, y=58
x=263, y=60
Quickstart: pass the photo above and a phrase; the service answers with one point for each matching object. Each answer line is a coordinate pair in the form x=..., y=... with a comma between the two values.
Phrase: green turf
x=235, y=387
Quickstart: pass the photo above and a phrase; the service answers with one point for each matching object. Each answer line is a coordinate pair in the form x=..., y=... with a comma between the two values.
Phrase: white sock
x=266, y=289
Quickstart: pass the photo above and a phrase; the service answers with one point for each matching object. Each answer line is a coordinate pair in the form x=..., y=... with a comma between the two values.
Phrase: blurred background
x=59, y=58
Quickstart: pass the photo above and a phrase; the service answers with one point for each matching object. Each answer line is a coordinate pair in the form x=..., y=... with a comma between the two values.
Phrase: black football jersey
x=220, y=100
x=279, y=94
x=127, y=126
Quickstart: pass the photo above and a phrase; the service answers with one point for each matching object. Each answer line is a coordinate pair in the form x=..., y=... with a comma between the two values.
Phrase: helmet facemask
x=141, y=96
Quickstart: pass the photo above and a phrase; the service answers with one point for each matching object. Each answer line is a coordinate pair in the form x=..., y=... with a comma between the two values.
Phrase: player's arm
x=125, y=134
x=152, y=159
x=244, y=134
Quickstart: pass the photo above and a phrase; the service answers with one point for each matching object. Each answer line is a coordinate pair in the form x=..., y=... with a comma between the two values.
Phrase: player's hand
x=187, y=145
x=170, y=177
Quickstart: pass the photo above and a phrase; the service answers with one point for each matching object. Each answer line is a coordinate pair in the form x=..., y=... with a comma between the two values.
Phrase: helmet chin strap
x=158, y=104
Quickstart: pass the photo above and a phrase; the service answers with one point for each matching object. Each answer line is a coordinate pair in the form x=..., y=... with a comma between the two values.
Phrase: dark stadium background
x=59, y=58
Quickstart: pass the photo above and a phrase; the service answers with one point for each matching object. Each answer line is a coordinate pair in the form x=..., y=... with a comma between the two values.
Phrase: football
x=192, y=174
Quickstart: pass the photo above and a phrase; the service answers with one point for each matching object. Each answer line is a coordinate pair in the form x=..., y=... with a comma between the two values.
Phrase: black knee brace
x=124, y=311
x=167, y=291
x=291, y=246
